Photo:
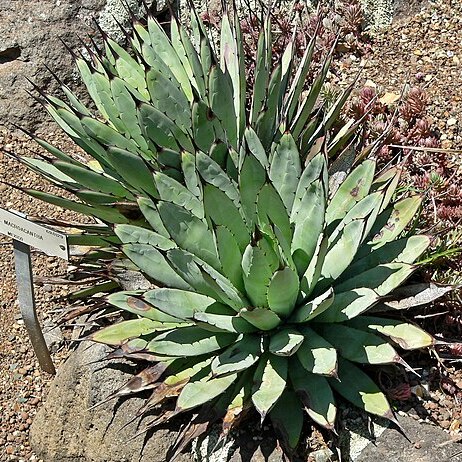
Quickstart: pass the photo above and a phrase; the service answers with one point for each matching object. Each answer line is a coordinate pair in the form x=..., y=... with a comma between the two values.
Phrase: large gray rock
x=428, y=443
x=64, y=430
x=30, y=38
x=423, y=442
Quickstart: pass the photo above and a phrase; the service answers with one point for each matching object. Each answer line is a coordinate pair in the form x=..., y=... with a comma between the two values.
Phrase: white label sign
x=45, y=239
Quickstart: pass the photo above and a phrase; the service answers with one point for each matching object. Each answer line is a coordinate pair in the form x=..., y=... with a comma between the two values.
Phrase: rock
x=378, y=13
x=65, y=430
x=53, y=335
x=427, y=444
x=249, y=443
x=31, y=35
x=322, y=455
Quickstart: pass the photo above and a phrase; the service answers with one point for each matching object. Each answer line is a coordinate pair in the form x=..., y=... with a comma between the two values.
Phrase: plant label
x=49, y=241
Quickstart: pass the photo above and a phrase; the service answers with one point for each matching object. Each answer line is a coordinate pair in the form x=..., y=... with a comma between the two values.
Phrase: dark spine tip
x=68, y=48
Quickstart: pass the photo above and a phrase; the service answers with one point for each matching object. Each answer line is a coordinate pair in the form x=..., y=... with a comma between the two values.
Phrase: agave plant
x=265, y=261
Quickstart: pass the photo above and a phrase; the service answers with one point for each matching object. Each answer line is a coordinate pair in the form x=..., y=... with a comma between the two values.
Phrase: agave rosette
x=266, y=259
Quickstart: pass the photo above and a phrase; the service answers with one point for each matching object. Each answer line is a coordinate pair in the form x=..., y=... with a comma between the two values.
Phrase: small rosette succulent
x=266, y=259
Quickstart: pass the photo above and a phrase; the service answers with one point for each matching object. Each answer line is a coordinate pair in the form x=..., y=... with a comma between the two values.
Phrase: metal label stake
x=24, y=281
x=25, y=234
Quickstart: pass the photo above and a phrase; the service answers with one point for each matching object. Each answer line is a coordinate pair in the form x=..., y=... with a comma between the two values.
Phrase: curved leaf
x=313, y=308
x=261, y=318
x=287, y=418
x=357, y=387
x=315, y=393
x=238, y=357
x=283, y=291
x=153, y=264
x=269, y=383
x=117, y=334
x=178, y=303
x=189, y=341
x=359, y=346
x=285, y=169
x=128, y=301
x=189, y=232
x=406, y=335
x=354, y=188
x=286, y=342
x=201, y=391
x=347, y=305
x=316, y=354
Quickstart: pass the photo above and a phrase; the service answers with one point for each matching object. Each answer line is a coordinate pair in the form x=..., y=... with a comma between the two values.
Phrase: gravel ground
x=23, y=385
x=424, y=49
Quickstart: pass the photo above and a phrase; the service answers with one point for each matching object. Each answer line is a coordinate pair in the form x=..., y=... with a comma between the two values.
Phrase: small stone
x=323, y=455
x=24, y=415
x=455, y=425
x=445, y=423
x=9, y=449
x=450, y=122
x=446, y=144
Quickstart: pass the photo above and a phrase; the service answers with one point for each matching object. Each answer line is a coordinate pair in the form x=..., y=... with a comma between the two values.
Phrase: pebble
x=445, y=424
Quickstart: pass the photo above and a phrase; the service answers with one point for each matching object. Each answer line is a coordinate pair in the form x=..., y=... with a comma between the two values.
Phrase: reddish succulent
x=415, y=104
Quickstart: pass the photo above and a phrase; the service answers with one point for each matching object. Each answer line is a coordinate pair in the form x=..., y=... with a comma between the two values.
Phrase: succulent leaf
x=262, y=318
x=406, y=335
x=238, y=357
x=287, y=418
x=269, y=383
x=349, y=304
x=315, y=393
x=359, y=346
x=189, y=341
x=130, y=302
x=286, y=342
x=354, y=188
x=285, y=169
x=283, y=291
x=358, y=388
x=313, y=308
x=316, y=354
x=201, y=391
x=125, y=330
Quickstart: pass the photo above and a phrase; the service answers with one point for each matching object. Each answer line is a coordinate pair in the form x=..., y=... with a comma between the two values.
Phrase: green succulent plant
x=267, y=259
